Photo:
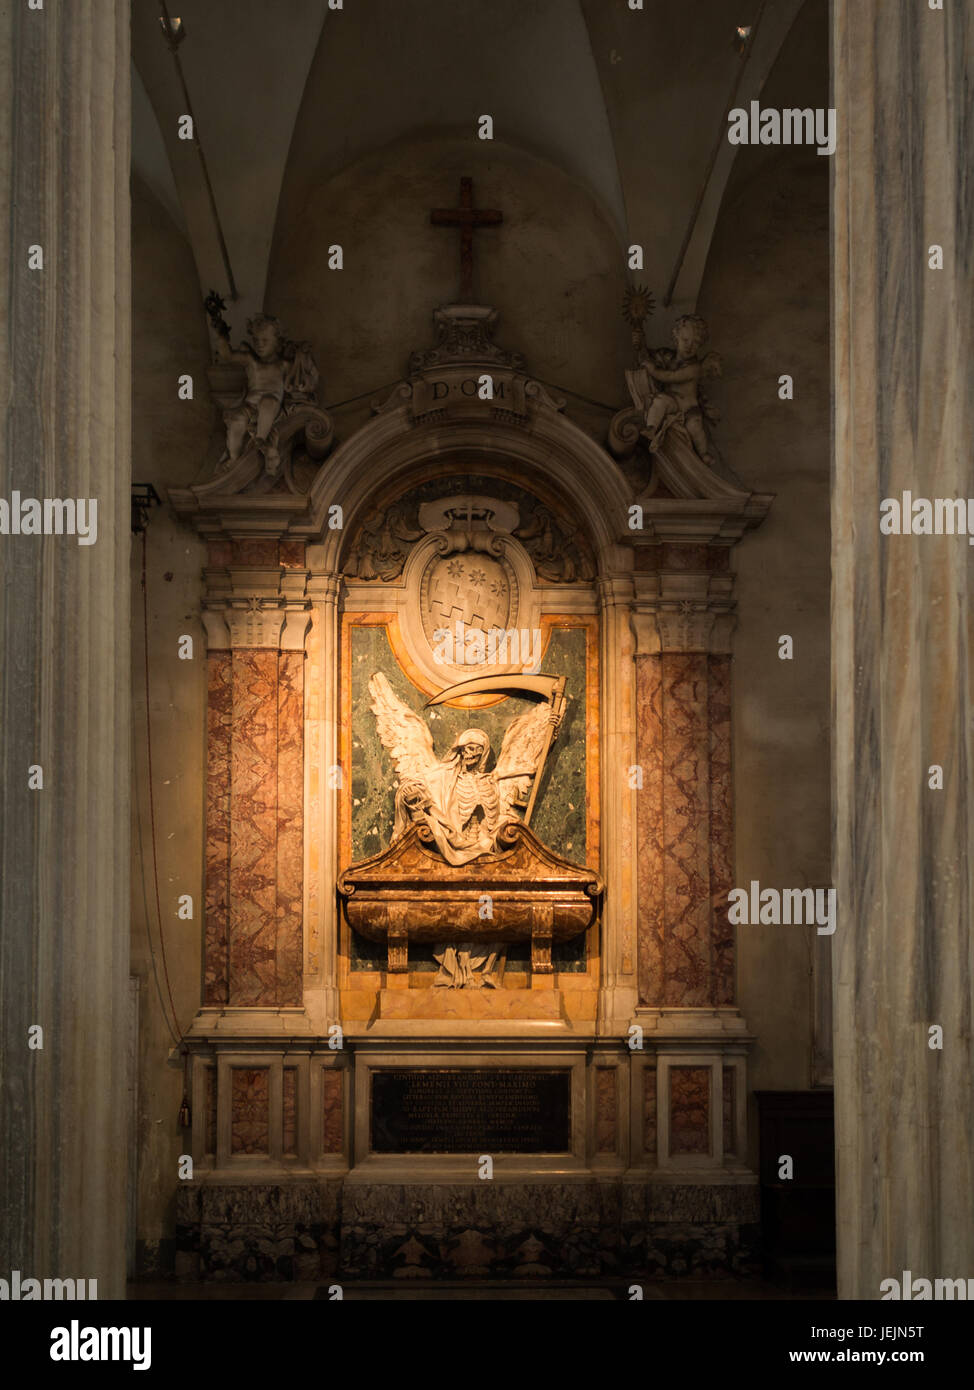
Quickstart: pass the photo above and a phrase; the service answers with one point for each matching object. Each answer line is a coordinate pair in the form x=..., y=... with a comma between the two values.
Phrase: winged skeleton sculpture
x=462, y=802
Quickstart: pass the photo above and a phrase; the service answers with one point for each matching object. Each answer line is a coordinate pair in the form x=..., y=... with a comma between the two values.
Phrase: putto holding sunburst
x=638, y=305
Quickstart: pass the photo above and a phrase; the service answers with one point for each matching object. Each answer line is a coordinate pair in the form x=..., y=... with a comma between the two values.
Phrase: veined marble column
x=257, y=618
x=683, y=620
x=64, y=614
x=902, y=643
x=694, y=1095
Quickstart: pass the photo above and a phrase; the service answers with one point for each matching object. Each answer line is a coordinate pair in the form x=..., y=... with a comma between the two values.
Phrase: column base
x=692, y=1023
x=228, y=1021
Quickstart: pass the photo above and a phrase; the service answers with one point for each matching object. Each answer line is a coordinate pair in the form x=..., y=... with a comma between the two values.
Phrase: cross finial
x=466, y=217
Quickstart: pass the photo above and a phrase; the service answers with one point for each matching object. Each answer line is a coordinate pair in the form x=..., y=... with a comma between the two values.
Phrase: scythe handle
x=557, y=703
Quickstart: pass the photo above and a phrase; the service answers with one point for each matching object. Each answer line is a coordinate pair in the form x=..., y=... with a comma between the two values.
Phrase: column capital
x=614, y=589
x=256, y=607
x=684, y=610
x=324, y=587
x=257, y=622
x=684, y=625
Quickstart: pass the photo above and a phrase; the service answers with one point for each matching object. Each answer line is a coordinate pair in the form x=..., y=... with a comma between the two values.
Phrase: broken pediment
x=466, y=374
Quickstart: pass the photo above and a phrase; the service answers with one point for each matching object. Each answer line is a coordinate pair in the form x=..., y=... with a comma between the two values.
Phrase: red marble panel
x=729, y=1095
x=606, y=1108
x=649, y=1110
x=689, y=1110
x=291, y=554
x=210, y=1139
x=676, y=556
x=684, y=827
x=686, y=831
x=219, y=553
x=721, y=830
x=257, y=552
x=290, y=826
x=217, y=904
x=253, y=829
x=672, y=555
x=331, y=1110
x=249, y=1110
x=649, y=829
x=646, y=559
x=289, y=1137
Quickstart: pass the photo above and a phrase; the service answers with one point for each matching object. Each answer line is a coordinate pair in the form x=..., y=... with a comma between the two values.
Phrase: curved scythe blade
x=479, y=685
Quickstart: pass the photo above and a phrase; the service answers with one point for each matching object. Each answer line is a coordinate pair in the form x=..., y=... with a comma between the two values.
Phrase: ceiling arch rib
x=246, y=63
x=628, y=101
x=666, y=72
x=150, y=159
x=425, y=67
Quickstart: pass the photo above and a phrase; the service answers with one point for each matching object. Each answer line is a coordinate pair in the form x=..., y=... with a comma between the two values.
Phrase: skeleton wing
x=520, y=752
x=405, y=737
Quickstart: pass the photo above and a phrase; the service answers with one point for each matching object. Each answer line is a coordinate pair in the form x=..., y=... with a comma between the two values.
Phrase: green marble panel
x=559, y=817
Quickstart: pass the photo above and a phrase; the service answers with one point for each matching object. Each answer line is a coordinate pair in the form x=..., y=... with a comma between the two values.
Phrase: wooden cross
x=466, y=217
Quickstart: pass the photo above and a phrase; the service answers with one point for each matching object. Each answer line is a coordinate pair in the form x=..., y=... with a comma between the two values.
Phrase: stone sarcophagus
x=521, y=892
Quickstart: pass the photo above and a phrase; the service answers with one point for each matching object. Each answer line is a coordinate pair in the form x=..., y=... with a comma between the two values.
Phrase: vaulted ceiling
x=630, y=103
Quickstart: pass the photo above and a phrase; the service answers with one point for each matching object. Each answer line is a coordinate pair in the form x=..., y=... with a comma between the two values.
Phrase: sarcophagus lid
x=408, y=890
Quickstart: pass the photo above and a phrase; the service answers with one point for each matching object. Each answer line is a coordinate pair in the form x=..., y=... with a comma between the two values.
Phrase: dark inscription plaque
x=460, y=1110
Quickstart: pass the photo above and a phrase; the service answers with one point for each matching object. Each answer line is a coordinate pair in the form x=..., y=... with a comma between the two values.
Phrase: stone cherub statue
x=665, y=386
x=281, y=375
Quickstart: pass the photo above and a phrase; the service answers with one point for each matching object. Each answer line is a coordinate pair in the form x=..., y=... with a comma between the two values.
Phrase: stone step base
x=417, y=1233
x=497, y=1004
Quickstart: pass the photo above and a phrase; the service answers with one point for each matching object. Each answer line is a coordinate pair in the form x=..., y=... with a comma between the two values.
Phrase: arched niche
x=476, y=457
x=551, y=457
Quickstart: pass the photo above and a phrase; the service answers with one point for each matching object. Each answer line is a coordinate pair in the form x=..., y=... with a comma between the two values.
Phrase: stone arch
x=553, y=452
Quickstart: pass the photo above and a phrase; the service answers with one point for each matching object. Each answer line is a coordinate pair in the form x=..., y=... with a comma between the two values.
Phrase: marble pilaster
x=682, y=620
x=256, y=619
x=617, y=996
x=323, y=771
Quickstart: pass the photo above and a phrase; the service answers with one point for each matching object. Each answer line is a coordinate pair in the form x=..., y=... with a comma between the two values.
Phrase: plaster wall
x=170, y=442
x=766, y=297
x=555, y=269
